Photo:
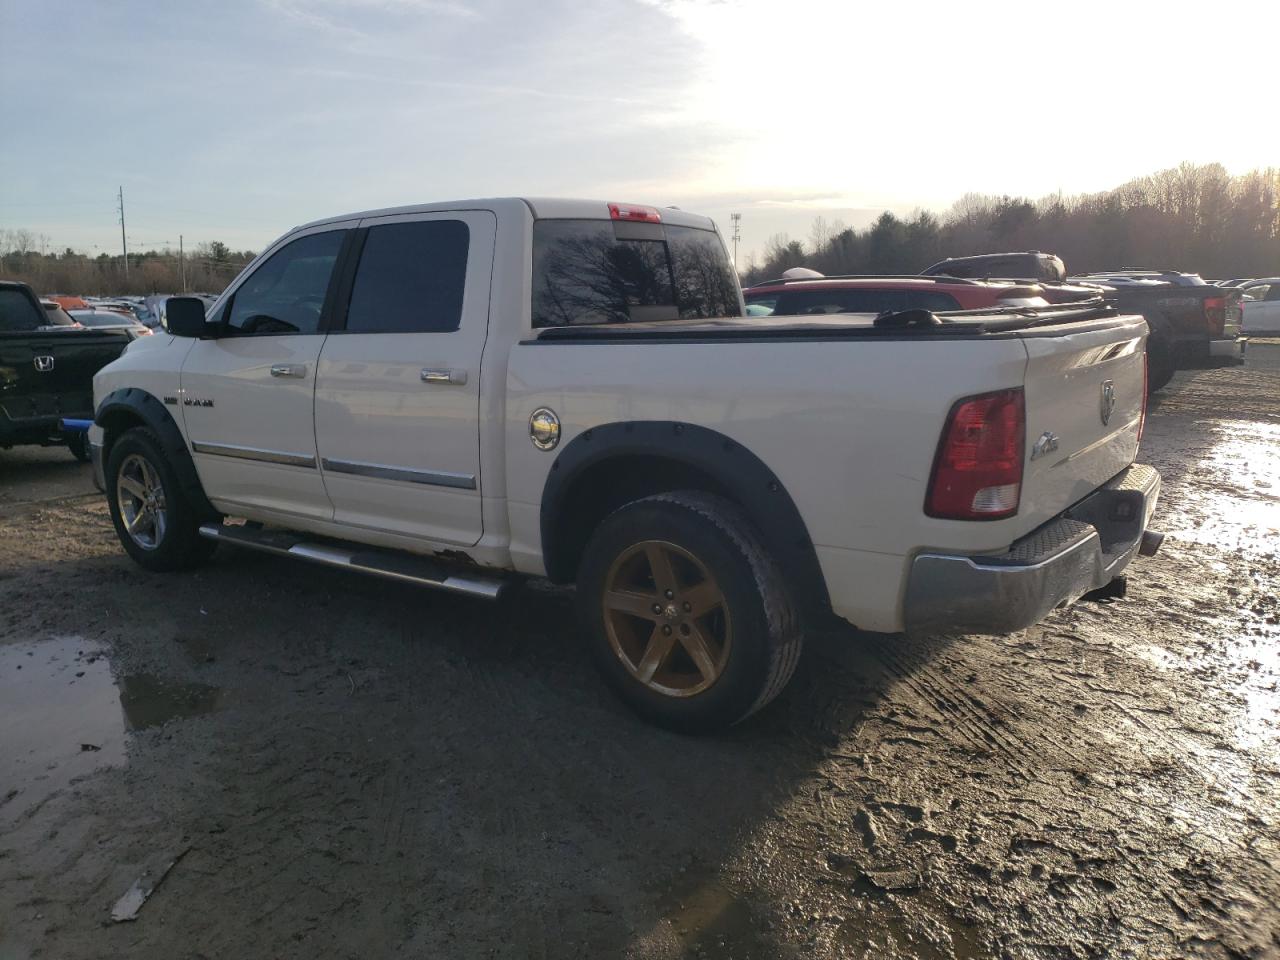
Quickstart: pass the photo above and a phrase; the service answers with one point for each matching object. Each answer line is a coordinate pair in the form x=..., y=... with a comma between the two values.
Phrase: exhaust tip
x=1151, y=541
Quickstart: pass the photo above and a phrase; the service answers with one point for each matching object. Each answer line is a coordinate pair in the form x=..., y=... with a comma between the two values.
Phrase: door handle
x=298, y=370
x=455, y=377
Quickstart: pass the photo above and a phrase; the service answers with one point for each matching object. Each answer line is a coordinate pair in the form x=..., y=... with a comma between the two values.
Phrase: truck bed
x=847, y=411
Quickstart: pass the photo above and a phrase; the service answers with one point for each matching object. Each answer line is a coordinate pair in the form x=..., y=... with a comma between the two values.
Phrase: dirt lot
x=351, y=768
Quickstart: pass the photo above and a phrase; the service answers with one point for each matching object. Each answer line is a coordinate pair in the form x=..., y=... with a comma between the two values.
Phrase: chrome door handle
x=455, y=377
x=289, y=370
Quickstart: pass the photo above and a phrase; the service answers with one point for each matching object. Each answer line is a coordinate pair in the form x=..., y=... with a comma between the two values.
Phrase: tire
x=1160, y=367
x=654, y=648
x=171, y=540
x=78, y=444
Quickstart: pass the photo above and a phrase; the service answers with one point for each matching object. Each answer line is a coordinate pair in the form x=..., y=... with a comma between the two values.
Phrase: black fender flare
x=134, y=404
x=734, y=468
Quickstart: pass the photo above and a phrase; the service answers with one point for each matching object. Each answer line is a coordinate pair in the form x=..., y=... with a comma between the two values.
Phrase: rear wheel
x=78, y=444
x=1160, y=367
x=686, y=614
x=155, y=520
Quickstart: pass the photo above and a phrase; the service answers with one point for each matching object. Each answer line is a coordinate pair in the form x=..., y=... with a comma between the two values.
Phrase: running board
x=390, y=564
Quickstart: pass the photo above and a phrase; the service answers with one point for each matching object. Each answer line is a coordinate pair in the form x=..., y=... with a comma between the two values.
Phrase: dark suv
x=1032, y=265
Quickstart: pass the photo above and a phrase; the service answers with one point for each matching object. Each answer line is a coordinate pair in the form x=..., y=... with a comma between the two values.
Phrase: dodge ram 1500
x=455, y=394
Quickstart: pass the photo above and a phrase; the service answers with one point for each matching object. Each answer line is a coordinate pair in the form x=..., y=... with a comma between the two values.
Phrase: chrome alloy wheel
x=667, y=619
x=140, y=496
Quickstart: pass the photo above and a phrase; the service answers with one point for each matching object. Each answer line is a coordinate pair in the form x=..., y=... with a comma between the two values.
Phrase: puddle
x=66, y=716
x=148, y=701
x=1233, y=498
x=712, y=922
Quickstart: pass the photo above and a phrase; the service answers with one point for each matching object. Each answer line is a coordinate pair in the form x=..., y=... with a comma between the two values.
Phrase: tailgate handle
x=457, y=378
x=297, y=370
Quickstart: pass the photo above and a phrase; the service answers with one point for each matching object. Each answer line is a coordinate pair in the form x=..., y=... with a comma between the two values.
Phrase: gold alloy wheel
x=666, y=618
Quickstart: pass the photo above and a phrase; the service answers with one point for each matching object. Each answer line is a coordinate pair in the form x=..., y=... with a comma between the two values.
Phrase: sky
x=238, y=119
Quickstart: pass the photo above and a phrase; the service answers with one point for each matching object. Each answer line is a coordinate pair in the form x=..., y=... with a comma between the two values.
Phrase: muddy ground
x=343, y=767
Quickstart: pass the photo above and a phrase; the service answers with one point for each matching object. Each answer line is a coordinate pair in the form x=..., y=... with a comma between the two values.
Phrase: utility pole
x=124, y=246
x=182, y=264
x=737, y=235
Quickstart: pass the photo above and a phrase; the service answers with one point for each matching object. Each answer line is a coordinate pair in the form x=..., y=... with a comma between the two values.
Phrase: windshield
x=599, y=271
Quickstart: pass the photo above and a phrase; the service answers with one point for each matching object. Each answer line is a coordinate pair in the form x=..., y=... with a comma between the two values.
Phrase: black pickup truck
x=46, y=372
x=1192, y=325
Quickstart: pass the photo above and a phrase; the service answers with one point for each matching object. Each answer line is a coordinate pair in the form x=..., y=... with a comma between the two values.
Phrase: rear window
x=599, y=271
x=839, y=301
x=17, y=311
x=931, y=300
x=55, y=316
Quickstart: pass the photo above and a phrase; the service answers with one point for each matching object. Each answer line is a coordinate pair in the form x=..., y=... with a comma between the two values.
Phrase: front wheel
x=155, y=520
x=687, y=616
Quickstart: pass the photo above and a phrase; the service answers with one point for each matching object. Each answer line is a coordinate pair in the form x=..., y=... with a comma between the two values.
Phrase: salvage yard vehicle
x=104, y=319
x=455, y=394
x=1193, y=324
x=862, y=294
x=47, y=363
x=1261, y=306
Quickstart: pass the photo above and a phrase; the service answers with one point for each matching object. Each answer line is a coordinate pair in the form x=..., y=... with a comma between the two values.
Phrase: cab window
x=286, y=294
x=411, y=278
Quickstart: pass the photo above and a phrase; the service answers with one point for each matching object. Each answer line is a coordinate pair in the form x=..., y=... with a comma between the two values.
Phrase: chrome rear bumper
x=1081, y=550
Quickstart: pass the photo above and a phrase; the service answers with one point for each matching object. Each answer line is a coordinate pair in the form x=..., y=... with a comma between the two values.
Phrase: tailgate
x=50, y=375
x=1084, y=397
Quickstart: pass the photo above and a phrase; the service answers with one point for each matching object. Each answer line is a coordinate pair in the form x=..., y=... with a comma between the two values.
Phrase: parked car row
x=1260, y=303
x=1193, y=324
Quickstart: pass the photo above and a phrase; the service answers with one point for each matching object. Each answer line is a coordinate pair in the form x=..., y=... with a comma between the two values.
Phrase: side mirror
x=184, y=316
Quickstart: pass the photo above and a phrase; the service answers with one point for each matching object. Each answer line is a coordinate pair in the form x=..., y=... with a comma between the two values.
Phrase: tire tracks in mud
x=985, y=723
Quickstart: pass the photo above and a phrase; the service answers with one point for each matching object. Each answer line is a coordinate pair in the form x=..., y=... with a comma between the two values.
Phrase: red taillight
x=1215, y=314
x=977, y=474
x=630, y=211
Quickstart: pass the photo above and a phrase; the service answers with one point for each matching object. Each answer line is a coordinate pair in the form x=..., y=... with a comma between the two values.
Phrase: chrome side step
x=390, y=564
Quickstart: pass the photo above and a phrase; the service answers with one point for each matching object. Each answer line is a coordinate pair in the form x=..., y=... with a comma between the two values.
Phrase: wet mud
x=341, y=767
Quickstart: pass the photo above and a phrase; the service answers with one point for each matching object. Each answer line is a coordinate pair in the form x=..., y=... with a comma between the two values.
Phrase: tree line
x=206, y=268
x=1193, y=218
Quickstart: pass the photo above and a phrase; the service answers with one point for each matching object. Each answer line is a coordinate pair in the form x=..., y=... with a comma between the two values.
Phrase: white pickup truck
x=458, y=393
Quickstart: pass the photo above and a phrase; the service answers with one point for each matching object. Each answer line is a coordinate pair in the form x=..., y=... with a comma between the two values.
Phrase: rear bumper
x=1231, y=351
x=1081, y=550
x=1225, y=352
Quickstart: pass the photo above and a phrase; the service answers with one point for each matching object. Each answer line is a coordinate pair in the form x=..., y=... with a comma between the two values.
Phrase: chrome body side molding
x=382, y=471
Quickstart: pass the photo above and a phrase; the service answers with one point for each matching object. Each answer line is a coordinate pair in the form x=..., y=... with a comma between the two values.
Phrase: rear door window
x=601, y=271
x=411, y=278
